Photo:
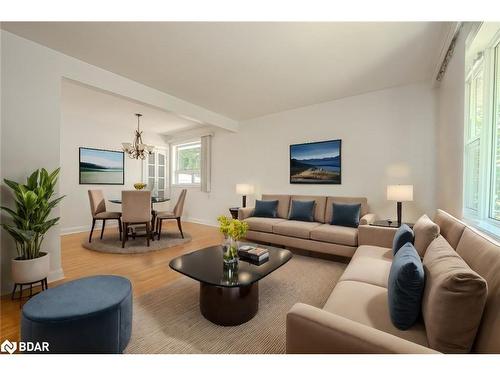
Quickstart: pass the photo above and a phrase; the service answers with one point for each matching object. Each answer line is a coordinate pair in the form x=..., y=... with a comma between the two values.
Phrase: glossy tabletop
x=153, y=200
x=207, y=266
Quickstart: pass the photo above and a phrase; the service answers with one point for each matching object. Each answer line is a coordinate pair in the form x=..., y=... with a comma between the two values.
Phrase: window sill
x=486, y=227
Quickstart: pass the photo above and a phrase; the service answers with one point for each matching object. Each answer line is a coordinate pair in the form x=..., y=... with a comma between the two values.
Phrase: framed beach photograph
x=316, y=162
x=101, y=167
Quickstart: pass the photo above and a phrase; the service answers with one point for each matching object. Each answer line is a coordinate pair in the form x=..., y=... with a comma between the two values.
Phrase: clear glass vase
x=230, y=250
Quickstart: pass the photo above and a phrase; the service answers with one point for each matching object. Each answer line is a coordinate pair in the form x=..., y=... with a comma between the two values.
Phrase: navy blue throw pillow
x=346, y=215
x=302, y=210
x=405, y=287
x=266, y=208
x=403, y=235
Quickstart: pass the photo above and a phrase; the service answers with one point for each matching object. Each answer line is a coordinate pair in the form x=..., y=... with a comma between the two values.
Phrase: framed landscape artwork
x=316, y=163
x=101, y=167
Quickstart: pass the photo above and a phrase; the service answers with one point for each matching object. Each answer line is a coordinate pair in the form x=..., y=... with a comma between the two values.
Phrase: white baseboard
x=55, y=275
x=201, y=221
x=85, y=228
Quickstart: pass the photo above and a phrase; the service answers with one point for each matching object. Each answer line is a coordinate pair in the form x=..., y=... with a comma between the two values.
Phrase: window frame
x=174, y=170
x=483, y=217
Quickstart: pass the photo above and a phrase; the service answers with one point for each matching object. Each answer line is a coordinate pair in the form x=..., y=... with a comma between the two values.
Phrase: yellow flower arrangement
x=233, y=228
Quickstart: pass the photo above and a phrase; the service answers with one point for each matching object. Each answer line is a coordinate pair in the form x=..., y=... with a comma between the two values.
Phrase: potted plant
x=233, y=230
x=30, y=223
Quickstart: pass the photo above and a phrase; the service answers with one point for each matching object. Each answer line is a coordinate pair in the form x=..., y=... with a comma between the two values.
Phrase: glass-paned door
x=155, y=172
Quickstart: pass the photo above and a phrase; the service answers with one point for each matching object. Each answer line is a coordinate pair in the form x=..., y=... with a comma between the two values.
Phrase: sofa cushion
x=266, y=208
x=454, y=299
x=373, y=252
x=302, y=210
x=335, y=234
x=403, y=235
x=482, y=254
x=425, y=231
x=348, y=200
x=346, y=214
x=283, y=203
x=449, y=227
x=262, y=224
x=405, y=287
x=319, y=207
x=369, y=264
x=292, y=228
x=367, y=304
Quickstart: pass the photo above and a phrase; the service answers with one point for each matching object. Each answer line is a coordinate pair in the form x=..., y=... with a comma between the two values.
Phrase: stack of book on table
x=253, y=254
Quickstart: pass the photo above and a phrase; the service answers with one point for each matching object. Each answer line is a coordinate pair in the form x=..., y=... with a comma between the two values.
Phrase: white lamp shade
x=244, y=189
x=400, y=193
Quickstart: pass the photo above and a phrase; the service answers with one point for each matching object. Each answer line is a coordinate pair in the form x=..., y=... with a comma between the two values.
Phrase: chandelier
x=137, y=150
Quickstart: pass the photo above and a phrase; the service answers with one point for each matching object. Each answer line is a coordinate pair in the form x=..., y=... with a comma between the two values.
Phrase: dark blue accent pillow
x=405, y=287
x=403, y=235
x=266, y=208
x=302, y=210
x=346, y=215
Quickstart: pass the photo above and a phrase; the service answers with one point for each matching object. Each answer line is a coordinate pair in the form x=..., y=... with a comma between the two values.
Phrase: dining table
x=153, y=211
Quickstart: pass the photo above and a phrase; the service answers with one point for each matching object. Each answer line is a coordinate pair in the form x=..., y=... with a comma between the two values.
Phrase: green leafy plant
x=30, y=218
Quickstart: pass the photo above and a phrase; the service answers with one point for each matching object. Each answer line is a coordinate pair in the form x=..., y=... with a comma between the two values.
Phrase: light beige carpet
x=111, y=243
x=168, y=320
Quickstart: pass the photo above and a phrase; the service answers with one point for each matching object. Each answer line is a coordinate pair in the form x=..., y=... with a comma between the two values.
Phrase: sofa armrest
x=245, y=212
x=375, y=236
x=311, y=330
x=367, y=219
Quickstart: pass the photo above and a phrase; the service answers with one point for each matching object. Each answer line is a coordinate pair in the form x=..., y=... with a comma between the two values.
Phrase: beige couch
x=318, y=236
x=355, y=318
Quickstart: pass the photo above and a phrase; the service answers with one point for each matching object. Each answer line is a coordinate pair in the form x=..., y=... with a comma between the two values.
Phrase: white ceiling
x=111, y=110
x=245, y=70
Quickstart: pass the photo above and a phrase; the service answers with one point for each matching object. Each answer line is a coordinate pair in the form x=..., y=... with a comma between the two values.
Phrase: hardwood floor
x=146, y=271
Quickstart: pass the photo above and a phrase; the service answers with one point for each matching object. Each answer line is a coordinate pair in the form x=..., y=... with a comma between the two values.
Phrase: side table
x=389, y=224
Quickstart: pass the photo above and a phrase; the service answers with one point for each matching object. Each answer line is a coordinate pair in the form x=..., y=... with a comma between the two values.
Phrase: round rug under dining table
x=111, y=243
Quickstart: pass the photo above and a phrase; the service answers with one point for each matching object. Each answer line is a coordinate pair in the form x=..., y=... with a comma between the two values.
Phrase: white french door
x=155, y=172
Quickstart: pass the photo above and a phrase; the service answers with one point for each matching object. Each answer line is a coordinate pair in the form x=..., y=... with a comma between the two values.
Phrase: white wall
x=388, y=137
x=450, y=132
x=31, y=117
x=82, y=127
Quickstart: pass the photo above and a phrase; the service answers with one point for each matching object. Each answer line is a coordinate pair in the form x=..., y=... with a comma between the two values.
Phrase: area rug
x=111, y=243
x=168, y=320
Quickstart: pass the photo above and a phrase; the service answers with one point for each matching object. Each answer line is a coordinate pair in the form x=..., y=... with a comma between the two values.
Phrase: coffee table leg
x=229, y=306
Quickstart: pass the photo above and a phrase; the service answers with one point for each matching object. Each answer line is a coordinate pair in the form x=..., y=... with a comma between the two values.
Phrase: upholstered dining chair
x=98, y=210
x=171, y=215
x=136, y=209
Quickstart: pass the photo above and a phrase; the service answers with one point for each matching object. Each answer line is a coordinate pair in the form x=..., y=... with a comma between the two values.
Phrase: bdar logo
x=8, y=347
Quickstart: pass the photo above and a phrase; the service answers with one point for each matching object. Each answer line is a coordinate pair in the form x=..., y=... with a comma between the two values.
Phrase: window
x=495, y=191
x=474, y=91
x=186, y=163
x=482, y=135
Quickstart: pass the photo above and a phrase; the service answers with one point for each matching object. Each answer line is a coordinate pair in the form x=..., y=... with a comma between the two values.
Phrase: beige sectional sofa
x=355, y=318
x=318, y=236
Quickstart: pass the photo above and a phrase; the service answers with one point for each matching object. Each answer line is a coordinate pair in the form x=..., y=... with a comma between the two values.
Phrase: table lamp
x=244, y=190
x=400, y=193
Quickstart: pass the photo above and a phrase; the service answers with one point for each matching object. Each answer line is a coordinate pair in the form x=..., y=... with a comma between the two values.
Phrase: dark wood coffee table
x=229, y=294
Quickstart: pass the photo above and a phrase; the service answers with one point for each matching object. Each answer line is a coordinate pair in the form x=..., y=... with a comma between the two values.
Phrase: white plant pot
x=30, y=270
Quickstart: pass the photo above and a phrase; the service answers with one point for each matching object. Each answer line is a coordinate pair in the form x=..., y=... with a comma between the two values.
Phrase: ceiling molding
x=452, y=31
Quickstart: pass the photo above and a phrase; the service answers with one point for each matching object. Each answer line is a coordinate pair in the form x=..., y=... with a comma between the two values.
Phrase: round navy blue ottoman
x=89, y=315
